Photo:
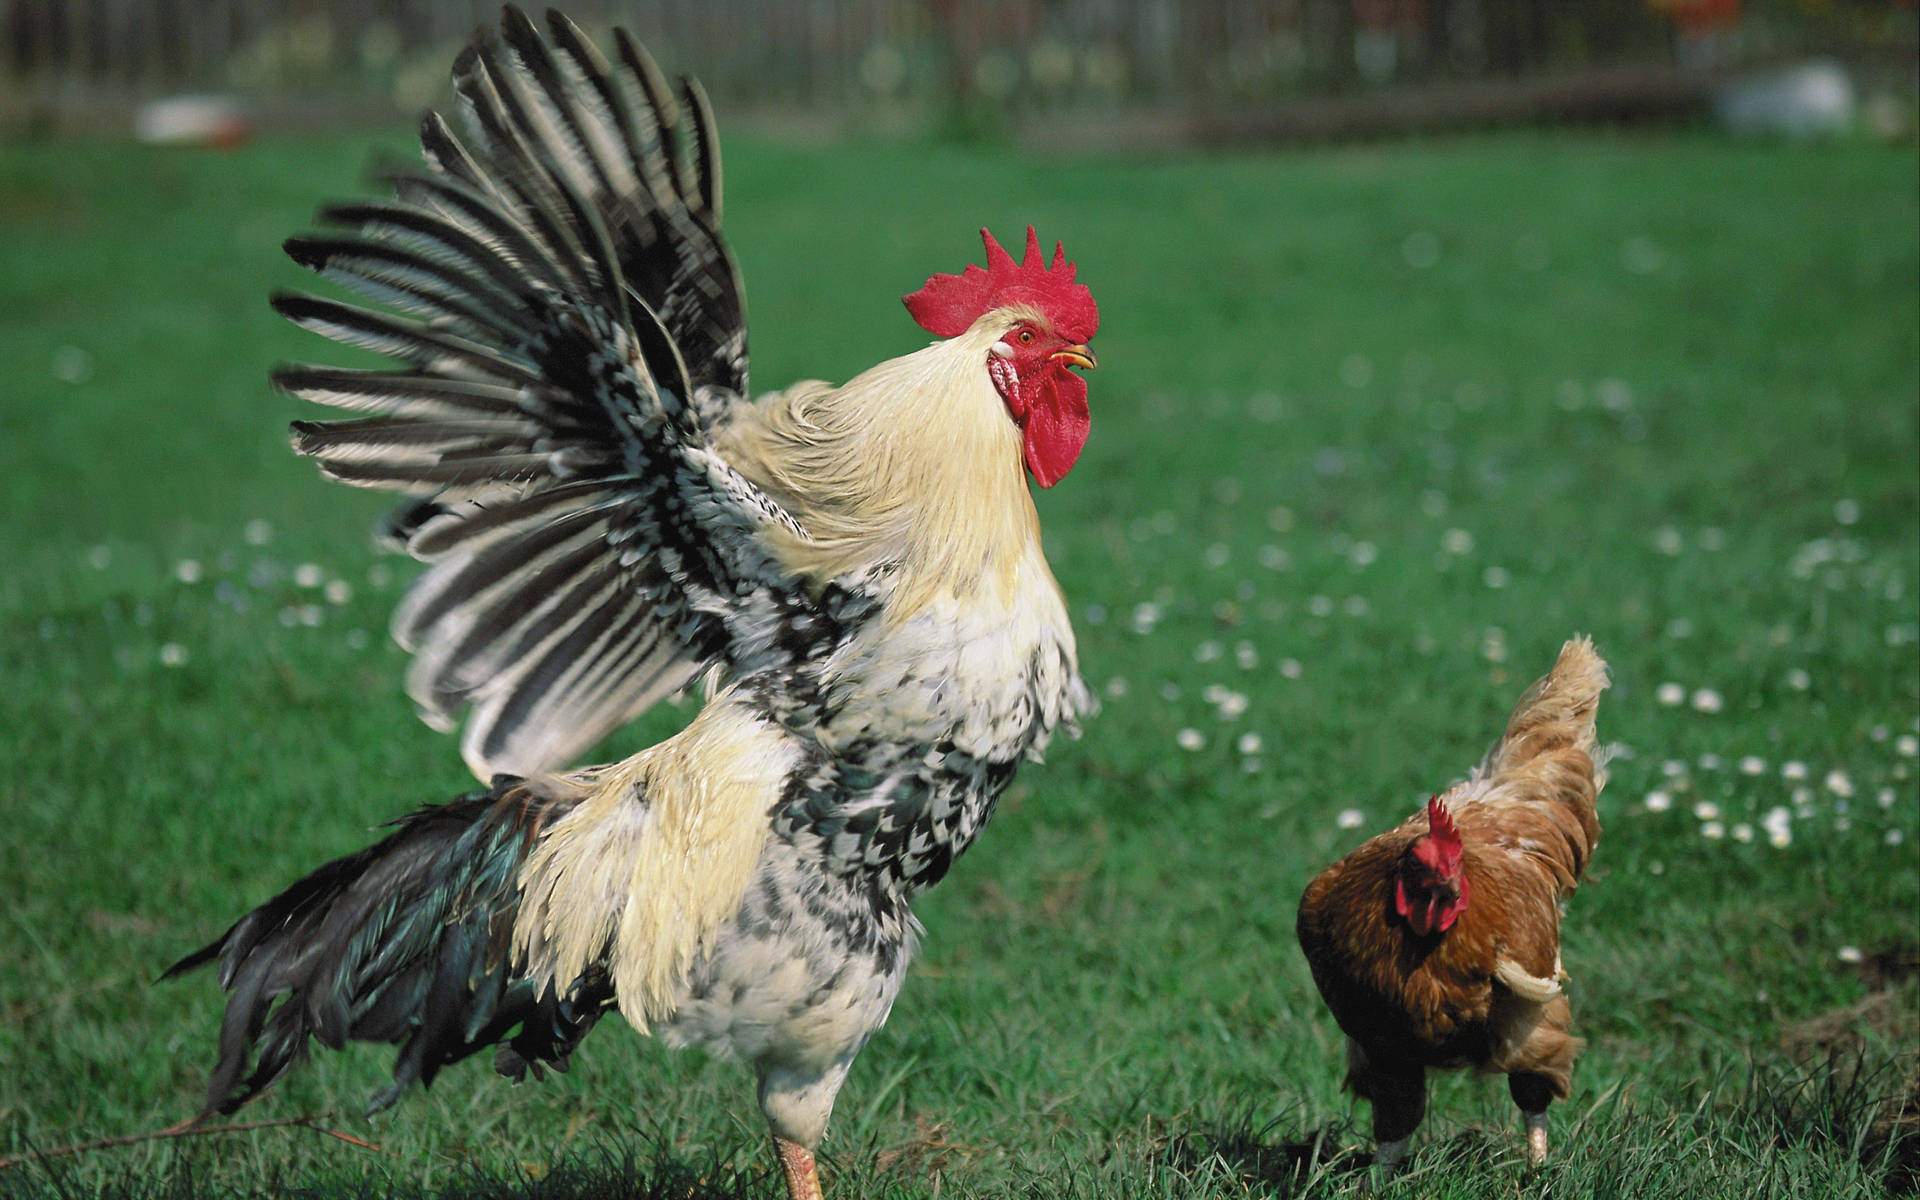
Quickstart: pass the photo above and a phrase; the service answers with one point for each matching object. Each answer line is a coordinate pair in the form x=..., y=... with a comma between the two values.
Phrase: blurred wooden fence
x=373, y=56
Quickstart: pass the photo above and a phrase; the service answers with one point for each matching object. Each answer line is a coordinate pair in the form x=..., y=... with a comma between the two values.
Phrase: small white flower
x=1706, y=810
x=1146, y=615
x=1656, y=867
x=1743, y=832
x=1245, y=656
x=1839, y=782
x=1710, y=762
x=357, y=639
x=99, y=557
x=1793, y=769
x=1879, y=733
x=1670, y=694
x=1231, y=706
x=1350, y=818
x=1290, y=668
x=338, y=591
x=1887, y=797
x=1190, y=739
x=1217, y=554
x=1779, y=839
x=1850, y=954
x=1894, y=836
x=1273, y=558
x=1320, y=606
x=1206, y=652
x=1658, y=801
x=1495, y=577
x=1667, y=540
x=1753, y=764
x=1116, y=687
x=1802, y=797
x=187, y=570
x=1457, y=541
x=1799, y=680
x=308, y=575
x=1252, y=766
x=258, y=532
x=379, y=575
x=1846, y=511
x=1713, y=831
x=1249, y=743
x=1169, y=692
x=1364, y=553
x=1355, y=606
x=1095, y=614
x=1673, y=768
x=1707, y=700
x=1907, y=745
x=173, y=654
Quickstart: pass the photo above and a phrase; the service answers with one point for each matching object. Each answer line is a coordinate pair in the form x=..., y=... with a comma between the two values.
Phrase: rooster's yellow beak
x=1076, y=356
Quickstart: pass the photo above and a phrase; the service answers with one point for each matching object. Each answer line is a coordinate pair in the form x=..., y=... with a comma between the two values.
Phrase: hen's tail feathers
x=409, y=941
x=1549, y=755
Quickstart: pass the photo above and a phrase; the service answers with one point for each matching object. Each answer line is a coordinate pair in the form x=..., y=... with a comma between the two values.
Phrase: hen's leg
x=1399, y=1102
x=1533, y=1093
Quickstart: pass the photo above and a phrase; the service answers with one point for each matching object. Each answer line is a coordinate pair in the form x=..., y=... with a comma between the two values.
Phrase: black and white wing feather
x=569, y=326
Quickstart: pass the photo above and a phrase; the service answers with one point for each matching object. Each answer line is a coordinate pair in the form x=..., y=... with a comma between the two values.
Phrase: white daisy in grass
x=1710, y=762
x=308, y=575
x=1907, y=745
x=1290, y=668
x=1706, y=810
x=1350, y=818
x=187, y=570
x=1713, y=831
x=338, y=591
x=1850, y=954
x=258, y=532
x=1673, y=768
x=1753, y=764
x=1190, y=739
x=1658, y=801
x=1894, y=837
x=1743, y=832
x=1839, y=782
x=173, y=654
x=1249, y=744
x=1793, y=770
x=1707, y=700
x=1799, y=680
x=1670, y=694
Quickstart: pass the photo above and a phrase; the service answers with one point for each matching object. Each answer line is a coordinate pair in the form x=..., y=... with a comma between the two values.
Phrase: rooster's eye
x=1026, y=336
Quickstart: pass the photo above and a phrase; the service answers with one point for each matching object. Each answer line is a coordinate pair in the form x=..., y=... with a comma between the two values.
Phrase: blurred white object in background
x=200, y=120
x=1807, y=100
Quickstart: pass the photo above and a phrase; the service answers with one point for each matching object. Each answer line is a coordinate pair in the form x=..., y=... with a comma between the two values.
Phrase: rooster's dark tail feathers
x=408, y=941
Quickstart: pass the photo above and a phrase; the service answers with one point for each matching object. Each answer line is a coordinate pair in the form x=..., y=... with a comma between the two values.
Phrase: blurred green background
x=1385, y=412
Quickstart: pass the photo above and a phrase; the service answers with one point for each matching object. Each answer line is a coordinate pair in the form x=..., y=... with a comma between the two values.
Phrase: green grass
x=1658, y=389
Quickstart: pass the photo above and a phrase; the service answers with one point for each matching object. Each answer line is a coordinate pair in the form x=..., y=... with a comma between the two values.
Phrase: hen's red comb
x=1440, y=827
x=949, y=304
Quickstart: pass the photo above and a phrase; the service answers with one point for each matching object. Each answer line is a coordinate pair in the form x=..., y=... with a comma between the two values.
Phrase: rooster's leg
x=796, y=1163
x=797, y=1103
x=1399, y=1102
x=1533, y=1093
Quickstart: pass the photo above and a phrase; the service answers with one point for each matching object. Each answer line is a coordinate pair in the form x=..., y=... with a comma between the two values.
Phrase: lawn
x=1375, y=429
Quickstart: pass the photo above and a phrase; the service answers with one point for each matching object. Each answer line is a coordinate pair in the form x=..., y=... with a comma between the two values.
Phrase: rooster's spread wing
x=572, y=331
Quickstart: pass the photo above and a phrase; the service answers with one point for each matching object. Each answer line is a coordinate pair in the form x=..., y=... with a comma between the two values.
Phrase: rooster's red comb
x=949, y=304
